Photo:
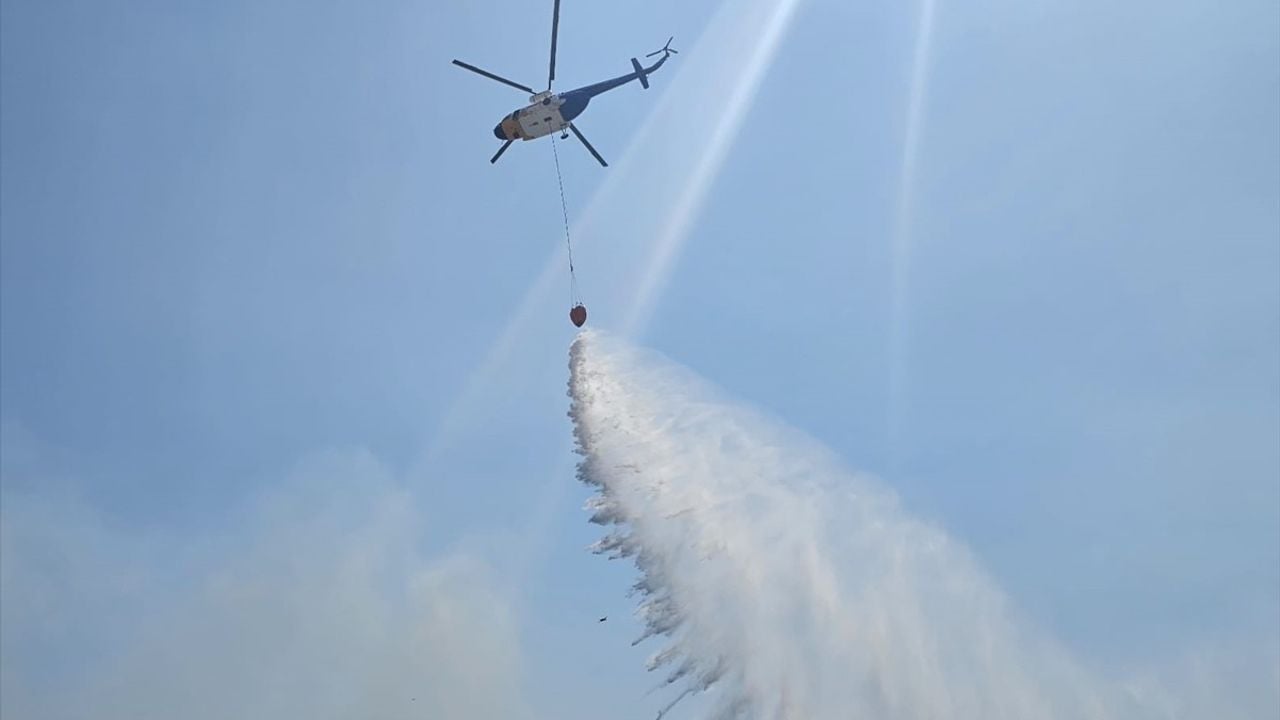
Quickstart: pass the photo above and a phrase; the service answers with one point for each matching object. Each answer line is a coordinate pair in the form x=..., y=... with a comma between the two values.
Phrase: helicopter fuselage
x=547, y=113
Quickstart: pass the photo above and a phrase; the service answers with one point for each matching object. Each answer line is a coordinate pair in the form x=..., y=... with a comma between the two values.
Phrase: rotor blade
x=592, y=150
x=555, y=32
x=501, y=150
x=491, y=76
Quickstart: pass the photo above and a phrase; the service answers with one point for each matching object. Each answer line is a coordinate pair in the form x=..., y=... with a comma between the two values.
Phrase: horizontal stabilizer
x=644, y=79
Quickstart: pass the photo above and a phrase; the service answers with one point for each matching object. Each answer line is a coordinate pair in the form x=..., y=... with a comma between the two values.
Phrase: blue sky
x=1027, y=270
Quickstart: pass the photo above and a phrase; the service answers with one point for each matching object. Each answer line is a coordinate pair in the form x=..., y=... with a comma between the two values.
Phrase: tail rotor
x=666, y=49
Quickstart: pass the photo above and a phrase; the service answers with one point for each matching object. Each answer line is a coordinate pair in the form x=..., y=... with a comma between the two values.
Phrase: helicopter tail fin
x=640, y=73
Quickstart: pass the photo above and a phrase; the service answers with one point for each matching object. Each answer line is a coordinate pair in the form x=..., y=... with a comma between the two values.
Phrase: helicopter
x=549, y=112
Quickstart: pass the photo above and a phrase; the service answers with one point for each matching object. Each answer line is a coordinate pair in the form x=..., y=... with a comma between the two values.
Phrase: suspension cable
x=564, y=208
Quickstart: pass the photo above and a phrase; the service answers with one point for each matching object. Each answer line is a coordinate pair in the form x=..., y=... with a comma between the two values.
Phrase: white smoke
x=323, y=605
x=790, y=586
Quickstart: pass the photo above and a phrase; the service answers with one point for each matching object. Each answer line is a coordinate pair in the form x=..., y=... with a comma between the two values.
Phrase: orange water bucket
x=578, y=315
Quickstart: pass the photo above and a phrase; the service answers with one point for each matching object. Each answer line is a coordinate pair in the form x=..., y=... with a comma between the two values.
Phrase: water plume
x=785, y=584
